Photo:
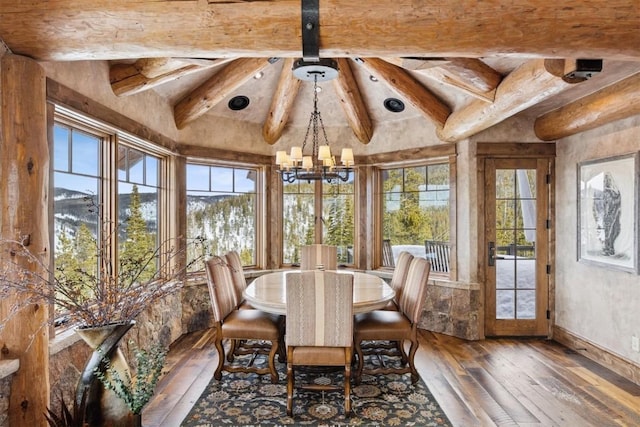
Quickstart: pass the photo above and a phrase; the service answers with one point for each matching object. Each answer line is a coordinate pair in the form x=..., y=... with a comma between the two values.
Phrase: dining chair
x=244, y=326
x=322, y=257
x=401, y=325
x=399, y=278
x=239, y=281
x=319, y=326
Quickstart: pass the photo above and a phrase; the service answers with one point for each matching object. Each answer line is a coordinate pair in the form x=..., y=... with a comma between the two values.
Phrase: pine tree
x=139, y=245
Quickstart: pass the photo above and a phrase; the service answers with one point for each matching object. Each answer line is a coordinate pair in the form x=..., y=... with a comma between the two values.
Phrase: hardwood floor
x=495, y=382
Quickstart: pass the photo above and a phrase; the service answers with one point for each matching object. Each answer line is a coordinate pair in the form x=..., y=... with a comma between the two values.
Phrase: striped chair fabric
x=313, y=256
x=319, y=326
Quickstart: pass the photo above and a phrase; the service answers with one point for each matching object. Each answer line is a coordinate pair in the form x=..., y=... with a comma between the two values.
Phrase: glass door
x=516, y=247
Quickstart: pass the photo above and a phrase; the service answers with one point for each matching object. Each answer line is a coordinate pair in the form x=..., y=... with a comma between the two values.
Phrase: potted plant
x=100, y=293
x=137, y=391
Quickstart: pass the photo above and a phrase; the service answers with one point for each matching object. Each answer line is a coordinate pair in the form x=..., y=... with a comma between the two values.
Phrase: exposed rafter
x=147, y=73
x=615, y=102
x=214, y=90
x=411, y=89
x=120, y=29
x=281, y=103
x=352, y=103
x=525, y=86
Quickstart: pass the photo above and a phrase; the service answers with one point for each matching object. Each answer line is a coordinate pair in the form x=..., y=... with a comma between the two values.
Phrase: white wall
x=597, y=304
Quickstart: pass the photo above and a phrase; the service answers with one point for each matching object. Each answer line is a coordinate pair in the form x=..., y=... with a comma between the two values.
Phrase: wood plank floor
x=495, y=382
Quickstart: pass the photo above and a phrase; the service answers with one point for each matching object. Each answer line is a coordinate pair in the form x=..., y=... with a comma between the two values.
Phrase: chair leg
x=272, y=361
x=412, y=352
x=233, y=345
x=218, y=373
x=358, y=347
x=290, y=380
x=403, y=354
x=347, y=383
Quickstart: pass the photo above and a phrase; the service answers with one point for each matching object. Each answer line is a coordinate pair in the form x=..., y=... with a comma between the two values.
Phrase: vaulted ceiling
x=461, y=65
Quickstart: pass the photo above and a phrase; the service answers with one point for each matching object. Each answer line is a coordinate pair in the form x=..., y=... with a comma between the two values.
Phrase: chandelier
x=320, y=163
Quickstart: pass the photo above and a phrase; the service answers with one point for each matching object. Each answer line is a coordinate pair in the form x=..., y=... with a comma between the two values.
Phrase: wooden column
x=24, y=174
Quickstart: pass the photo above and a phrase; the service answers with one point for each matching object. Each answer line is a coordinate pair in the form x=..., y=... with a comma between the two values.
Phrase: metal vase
x=104, y=407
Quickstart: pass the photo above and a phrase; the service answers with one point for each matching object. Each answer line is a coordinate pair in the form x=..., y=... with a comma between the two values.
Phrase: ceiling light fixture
x=320, y=164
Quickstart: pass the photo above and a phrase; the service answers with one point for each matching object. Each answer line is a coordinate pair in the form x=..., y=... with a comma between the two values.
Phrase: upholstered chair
x=319, y=327
x=313, y=257
x=399, y=278
x=240, y=325
x=240, y=283
x=401, y=325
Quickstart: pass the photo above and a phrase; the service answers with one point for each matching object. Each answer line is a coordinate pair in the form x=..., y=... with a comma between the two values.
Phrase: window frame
x=260, y=207
x=318, y=196
x=111, y=138
x=450, y=160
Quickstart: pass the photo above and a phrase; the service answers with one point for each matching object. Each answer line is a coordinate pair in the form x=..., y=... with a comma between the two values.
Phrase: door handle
x=492, y=254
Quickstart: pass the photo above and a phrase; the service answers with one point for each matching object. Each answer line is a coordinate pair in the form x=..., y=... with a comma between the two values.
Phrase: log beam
x=615, y=102
x=409, y=88
x=147, y=73
x=214, y=90
x=352, y=103
x=24, y=172
x=281, y=103
x=120, y=29
x=525, y=86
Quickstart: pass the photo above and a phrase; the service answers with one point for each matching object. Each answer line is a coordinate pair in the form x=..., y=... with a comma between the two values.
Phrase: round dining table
x=268, y=292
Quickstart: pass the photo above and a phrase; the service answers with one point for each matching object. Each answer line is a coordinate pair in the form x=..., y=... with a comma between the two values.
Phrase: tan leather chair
x=399, y=278
x=313, y=256
x=319, y=327
x=239, y=281
x=386, y=325
x=240, y=325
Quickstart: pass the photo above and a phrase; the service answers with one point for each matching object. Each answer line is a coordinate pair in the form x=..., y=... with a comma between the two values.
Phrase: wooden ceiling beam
x=473, y=73
x=615, y=102
x=144, y=74
x=214, y=90
x=281, y=103
x=525, y=86
x=409, y=88
x=352, y=103
x=67, y=30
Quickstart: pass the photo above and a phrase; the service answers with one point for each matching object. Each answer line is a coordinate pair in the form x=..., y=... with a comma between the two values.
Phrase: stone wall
x=452, y=310
x=163, y=323
x=5, y=392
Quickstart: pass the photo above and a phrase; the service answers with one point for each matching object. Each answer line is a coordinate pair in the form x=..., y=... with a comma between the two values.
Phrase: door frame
x=542, y=152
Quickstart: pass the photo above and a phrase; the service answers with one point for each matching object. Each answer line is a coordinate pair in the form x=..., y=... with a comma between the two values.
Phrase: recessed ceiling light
x=373, y=78
x=394, y=105
x=258, y=75
x=239, y=102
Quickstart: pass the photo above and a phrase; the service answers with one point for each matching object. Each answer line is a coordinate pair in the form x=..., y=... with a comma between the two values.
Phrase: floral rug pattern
x=251, y=400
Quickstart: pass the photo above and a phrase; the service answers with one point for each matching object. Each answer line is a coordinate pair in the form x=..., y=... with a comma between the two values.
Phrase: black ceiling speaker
x=239, y=102
x=394, y=105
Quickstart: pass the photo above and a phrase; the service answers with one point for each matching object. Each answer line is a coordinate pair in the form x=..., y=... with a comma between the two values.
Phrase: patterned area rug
x=251, y=400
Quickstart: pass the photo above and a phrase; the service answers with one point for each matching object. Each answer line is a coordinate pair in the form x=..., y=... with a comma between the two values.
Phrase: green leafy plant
x=135, y=392
x=68, y=417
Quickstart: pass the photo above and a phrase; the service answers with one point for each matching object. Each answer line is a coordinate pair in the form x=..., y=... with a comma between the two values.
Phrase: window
x=222, y=209
x=85, y=199
x=329, y=206
x=138, y=191
x=77, y=183
x=415, y=210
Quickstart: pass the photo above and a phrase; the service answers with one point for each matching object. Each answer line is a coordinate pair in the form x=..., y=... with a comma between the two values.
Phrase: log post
x=24, y=174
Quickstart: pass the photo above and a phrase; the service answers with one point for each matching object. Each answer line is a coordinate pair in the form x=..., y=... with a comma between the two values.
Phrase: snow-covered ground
x=522, y=299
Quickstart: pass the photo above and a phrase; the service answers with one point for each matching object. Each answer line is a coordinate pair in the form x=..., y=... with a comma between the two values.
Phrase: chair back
x=319, y=309
x=312, y=256
x=235, y=265
x=400, y=273
x=221, y=288
x=415, y=289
